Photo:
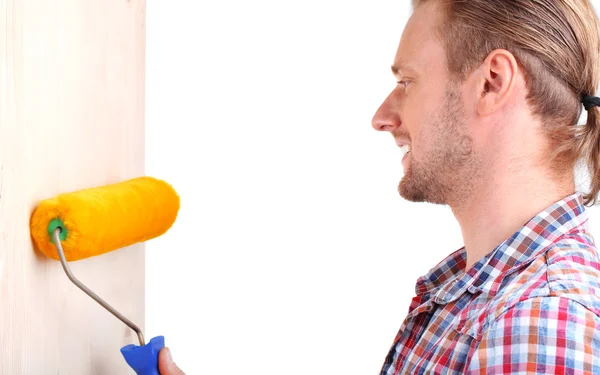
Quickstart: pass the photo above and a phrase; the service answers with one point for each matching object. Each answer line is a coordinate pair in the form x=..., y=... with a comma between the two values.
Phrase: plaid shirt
x=531, y=306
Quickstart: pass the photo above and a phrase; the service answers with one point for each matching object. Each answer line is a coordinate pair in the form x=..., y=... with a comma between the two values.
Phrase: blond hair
x=557, y=43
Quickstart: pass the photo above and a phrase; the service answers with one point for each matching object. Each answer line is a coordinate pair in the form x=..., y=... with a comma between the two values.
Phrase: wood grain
x=71, y=116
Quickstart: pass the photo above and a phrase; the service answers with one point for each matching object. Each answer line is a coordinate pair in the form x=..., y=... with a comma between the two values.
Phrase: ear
x=500, y=71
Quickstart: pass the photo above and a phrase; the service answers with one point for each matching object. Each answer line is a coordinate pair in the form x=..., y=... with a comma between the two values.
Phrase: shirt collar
x=441, y=274
x=448, y=280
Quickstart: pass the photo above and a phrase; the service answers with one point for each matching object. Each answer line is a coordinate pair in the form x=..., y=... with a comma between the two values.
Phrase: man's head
x=492, y=88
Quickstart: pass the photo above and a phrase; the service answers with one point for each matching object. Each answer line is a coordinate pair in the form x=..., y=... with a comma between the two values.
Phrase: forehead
x=420, y=49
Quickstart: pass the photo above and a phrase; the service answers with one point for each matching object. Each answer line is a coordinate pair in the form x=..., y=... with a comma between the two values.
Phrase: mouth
x=405, y=149
x=405, y=154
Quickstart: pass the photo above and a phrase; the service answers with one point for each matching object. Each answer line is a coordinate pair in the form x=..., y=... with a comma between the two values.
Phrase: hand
x=166, y=366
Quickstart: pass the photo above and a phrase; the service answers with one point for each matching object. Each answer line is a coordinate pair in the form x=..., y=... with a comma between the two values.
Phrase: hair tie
x=590, y=102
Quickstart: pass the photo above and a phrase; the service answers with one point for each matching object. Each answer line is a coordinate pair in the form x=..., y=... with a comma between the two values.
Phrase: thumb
x=166, y=366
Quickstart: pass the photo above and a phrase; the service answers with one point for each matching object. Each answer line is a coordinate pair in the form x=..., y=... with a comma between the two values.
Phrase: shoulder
x=549, y=334
x=573, y=270
x=550, y=311
x=569, y=269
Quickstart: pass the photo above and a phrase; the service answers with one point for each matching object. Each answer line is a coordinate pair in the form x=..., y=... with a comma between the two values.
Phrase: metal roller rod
x=90, y=293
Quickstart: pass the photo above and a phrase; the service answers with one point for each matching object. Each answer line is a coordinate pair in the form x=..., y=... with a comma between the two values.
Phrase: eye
x=404, y=83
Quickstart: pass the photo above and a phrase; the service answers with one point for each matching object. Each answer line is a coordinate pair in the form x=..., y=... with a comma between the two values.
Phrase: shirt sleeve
x=542, y=335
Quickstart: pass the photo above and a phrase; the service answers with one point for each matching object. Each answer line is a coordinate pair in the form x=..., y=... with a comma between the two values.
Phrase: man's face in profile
x=426, y=112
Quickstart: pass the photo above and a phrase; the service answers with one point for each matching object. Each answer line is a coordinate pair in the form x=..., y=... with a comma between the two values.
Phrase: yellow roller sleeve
x=98, y=220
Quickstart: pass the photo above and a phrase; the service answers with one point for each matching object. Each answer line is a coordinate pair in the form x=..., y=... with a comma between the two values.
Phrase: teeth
x=405, y=149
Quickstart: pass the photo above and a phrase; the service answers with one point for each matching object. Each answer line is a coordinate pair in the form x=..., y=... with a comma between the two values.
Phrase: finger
x=166, y=366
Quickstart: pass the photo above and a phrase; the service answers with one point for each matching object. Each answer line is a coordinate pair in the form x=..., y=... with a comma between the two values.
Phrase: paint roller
x=94, y=221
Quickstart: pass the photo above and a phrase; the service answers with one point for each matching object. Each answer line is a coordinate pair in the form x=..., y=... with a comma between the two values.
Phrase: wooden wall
x=71, y=116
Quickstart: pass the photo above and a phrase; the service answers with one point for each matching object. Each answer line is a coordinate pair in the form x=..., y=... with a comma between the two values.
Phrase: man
x=489, y=93
x=488, y=97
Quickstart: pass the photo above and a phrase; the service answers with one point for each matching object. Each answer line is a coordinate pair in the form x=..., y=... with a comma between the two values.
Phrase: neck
x=501, y=206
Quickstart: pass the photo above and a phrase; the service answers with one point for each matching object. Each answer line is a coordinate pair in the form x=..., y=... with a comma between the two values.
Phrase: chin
x=421, y=189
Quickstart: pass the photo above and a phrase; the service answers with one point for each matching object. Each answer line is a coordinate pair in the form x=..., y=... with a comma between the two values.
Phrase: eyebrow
x=401, y=66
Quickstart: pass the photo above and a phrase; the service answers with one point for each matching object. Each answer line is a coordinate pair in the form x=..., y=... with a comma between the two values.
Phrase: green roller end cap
x=57, y=223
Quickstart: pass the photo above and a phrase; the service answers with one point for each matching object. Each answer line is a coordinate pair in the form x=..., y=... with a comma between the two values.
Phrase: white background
x=292, y=252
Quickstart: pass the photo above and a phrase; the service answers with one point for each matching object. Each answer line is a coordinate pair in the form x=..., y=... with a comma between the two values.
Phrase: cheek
x=427, y=137
x=417, y=126
x=420, y=111
x=414, y=118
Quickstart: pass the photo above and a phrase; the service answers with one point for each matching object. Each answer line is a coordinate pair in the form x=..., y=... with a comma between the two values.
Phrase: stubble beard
x=446, y=172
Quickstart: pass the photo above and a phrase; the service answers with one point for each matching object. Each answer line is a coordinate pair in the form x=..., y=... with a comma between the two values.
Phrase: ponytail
x=588, y=147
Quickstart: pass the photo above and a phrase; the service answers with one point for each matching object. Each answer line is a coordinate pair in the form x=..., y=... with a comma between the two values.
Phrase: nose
x=387, y=117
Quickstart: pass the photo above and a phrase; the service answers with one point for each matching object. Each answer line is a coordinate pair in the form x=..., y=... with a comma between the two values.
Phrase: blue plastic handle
x=144, y=359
